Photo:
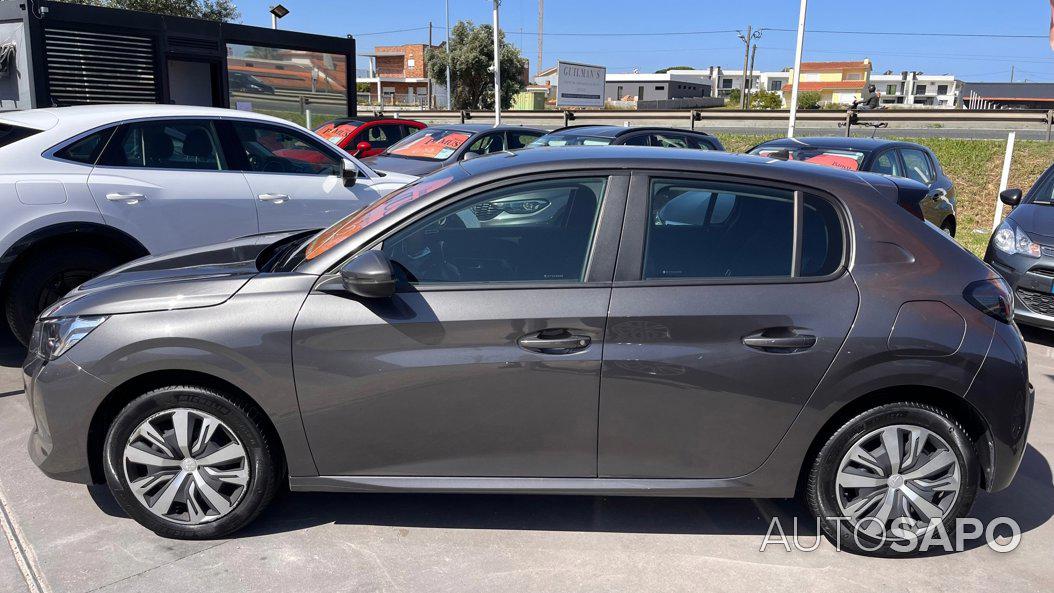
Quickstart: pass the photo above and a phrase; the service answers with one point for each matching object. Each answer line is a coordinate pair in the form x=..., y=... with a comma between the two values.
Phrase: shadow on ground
x=1029, y=501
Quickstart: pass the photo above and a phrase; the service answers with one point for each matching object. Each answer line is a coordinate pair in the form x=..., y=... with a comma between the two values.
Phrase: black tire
x=820, y=491
x=264, y=462
x=45, y=278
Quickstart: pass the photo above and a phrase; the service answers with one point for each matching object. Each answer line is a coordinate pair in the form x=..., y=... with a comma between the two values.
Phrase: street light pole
x=497, y=68
x=747, y=39
x=449, y=59
x=796, y=81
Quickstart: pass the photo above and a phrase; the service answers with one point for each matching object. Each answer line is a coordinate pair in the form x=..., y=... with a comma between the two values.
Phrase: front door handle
x=784, y=340
x=274, y=198
x=126, y=197
x=550, y=341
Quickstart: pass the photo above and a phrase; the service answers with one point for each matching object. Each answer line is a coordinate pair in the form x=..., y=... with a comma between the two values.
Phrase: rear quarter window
x=10, y=134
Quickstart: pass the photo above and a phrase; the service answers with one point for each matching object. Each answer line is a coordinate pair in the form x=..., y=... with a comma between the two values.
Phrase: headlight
x=1009, y=238
x=522, y=206
x=53, y=337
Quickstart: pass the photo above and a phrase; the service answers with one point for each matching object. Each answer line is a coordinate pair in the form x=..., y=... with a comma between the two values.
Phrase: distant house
x=915, y=89
x=837, y=82
x=400, y=72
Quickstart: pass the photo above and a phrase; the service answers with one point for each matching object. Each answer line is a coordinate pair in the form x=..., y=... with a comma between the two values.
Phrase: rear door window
x=887, y=164
x=487, y=144
x=520, y=139
x=172, y=144
x=712, y=230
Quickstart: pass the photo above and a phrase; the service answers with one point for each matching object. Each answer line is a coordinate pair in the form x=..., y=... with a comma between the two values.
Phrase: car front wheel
x=889, y=476
x=190, y=463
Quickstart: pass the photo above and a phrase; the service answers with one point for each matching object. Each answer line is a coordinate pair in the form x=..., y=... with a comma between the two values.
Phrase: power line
x=393, y=31
x=908, y=33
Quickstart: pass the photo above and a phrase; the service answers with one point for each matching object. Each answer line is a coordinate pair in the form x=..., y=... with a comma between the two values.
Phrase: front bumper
x=63, y=399
x=1032, y=281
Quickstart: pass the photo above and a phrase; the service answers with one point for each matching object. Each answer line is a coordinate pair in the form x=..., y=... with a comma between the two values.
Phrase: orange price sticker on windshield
x=431, y=147
x=834, y=160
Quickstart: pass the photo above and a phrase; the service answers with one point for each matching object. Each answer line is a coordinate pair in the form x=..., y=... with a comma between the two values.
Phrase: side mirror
x=1011, y=197
x=468, y=156
x=369, y=275
x=936, y=194
x=362, y=147
x=349, y=172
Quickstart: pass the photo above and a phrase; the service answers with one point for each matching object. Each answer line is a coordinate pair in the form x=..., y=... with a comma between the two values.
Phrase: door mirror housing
x=369, y=275
x=349, y=172
x=362, y=148
x=936, y=194
x=1011, y=197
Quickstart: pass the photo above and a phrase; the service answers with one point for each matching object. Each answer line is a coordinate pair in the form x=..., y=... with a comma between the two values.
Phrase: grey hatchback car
x=681, y=324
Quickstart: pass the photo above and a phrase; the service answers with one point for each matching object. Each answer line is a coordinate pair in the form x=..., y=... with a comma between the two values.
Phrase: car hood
x=1037, y=220
x=394, y=164
x=185, y=279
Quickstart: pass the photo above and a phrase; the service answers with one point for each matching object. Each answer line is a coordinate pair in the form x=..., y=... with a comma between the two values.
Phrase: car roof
x=612, y=131
x=477, y=128
x=647, y=157
x=85, y=117
x=836, y=142
x=367, y=120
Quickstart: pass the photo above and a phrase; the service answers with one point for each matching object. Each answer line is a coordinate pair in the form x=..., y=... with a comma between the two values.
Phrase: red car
x=367, y=136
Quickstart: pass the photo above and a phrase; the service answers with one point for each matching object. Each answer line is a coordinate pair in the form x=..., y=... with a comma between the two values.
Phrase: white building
x=915, y=89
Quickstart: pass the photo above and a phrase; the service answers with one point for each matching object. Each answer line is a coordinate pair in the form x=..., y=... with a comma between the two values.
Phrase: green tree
x=473, y=60
x=665, y=70
x=213, y=10
x=732, y=100
x=766, y=100
x=809, y=100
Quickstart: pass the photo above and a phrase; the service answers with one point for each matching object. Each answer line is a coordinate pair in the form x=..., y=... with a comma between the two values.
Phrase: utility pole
x=449, y=59
x=425, y=67
x=1011, y=74
x=797, y=69
x=541, y=19
x=750, y=75
x=497, y=68
x=747, y=39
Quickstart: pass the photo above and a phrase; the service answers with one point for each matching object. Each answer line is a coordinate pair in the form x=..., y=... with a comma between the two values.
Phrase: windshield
x=569, y=140
x=430, y=144
x=355, y=222
x=337, y=131
x=831, y=157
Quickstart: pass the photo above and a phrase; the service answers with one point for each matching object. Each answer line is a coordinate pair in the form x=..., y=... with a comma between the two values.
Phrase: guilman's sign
x=581, y=85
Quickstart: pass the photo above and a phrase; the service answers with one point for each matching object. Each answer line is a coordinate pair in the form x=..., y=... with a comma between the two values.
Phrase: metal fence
x=693, y=118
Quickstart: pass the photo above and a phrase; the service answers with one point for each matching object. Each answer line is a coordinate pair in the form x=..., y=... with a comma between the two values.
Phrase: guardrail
x=693, y=117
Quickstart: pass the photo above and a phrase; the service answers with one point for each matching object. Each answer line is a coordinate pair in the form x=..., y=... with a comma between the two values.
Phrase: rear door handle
x=274, y=198
x=768, y=342
x=554, y=342
x=126, y=197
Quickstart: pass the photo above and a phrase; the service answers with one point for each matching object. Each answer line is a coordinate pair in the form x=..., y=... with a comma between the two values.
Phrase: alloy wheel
x=186, y=466
x=898, y=477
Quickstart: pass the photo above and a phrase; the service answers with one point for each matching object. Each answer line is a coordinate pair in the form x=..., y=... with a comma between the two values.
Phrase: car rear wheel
x=190, y=463
x=47, y=277
x=888, y=476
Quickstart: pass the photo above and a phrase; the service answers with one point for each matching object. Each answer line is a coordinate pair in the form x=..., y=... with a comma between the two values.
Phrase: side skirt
x=726, y=487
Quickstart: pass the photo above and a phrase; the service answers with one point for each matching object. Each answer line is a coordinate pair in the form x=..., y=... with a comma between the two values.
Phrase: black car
x=1022, y=250
x=620, y=135
x=888, y=157
x=247, y=83
x=433, y=148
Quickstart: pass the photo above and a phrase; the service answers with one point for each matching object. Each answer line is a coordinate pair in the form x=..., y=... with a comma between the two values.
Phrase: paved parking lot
x=75, y=538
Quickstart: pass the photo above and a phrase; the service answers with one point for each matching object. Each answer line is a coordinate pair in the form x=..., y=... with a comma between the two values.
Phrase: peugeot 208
x=644, y=322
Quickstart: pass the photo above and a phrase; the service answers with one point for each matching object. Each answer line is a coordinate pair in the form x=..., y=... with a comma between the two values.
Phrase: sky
x=651, y=34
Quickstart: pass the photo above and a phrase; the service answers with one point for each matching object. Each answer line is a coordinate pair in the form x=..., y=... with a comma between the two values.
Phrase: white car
x=83, y=189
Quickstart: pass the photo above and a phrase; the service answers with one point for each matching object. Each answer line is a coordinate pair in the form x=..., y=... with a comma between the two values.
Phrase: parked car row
x=614, y=320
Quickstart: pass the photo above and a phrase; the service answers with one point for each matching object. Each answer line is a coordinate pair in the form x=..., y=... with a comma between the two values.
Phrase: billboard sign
x=579, y=85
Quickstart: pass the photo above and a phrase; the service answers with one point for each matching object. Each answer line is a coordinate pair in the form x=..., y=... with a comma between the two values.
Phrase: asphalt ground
x=72, y=538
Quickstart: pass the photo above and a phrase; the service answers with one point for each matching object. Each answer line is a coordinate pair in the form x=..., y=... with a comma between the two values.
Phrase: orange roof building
x=837, y=82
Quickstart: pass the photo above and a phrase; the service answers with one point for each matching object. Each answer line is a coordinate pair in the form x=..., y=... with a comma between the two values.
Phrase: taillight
x=991, y=297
